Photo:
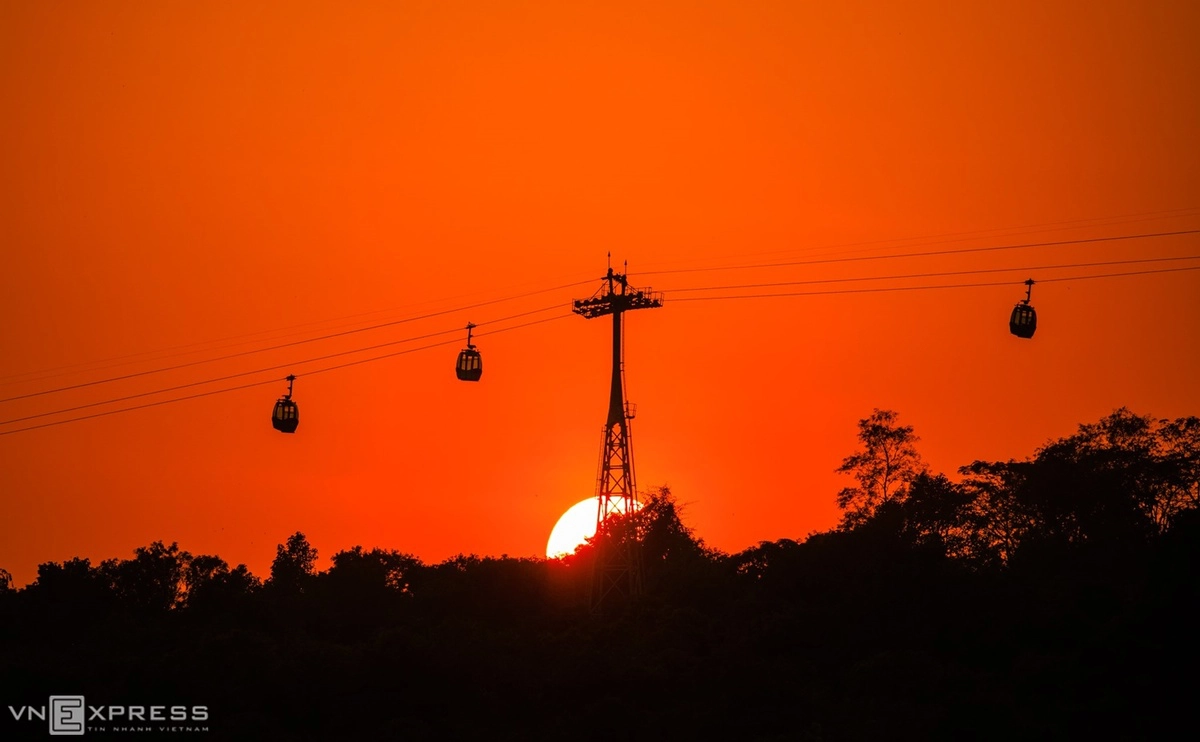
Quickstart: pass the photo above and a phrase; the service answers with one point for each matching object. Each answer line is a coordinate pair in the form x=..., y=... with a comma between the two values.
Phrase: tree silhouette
x=765, y=559
x=1114, y=484
x=154, y=579
x=5, y=581
x=1154, y=462
x=212, y=587
x=675, y=560
x=883, y=469
x=294, y=565
x=362, y=588
x=941, y=514
x=72, y=588
x=1179, y=449
x=203, y=572
x=374, y=570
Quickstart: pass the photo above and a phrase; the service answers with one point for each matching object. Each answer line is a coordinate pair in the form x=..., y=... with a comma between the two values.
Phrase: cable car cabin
x=469, y=366
x=286, y=416
x=1023, y=321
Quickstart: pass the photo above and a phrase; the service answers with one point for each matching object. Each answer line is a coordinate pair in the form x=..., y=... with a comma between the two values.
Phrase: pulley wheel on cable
x=1023, y=320
x=286, y=415
x=470, y=364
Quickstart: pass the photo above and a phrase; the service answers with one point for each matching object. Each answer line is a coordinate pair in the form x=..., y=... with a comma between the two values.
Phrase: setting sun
x=575, y=527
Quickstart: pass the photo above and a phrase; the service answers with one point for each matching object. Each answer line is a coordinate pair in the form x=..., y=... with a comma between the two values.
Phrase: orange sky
x=188, y=175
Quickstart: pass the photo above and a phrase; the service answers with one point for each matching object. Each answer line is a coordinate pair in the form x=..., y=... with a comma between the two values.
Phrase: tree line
x=1047, y=597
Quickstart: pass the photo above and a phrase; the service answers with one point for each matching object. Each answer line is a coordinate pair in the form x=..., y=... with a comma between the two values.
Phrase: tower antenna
x=618, y=570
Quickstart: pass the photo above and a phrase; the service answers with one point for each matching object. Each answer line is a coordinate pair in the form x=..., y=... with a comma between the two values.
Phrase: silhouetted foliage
x=767, y=558
x=941, y=514
x=884, y=468
x=362, y=588
x=294, y=566
x=675, y=560
x=1054, y=597
x=213, y=588
x=1114, y=484
x=154, y=579
x=74, y=582
x=663, y=535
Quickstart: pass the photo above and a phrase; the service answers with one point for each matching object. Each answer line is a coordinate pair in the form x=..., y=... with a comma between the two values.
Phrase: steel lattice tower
x=618, y=560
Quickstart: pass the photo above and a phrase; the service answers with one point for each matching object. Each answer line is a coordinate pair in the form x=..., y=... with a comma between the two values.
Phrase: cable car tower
x=618, y=564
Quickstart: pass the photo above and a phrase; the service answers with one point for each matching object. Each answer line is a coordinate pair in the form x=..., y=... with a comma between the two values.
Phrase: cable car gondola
x=286, y=415
x=1023, y=321
x=470, y=363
